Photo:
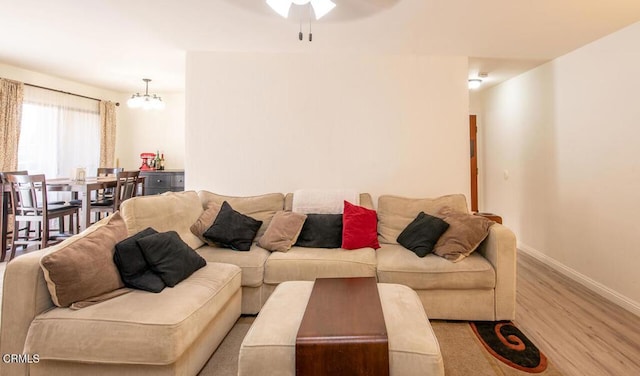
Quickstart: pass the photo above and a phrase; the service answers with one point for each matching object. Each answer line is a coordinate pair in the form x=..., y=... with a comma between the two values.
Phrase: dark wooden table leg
x=4, y=217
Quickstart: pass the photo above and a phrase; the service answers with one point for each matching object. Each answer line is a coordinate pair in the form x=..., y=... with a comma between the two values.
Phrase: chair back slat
x=28, y=194
x=107, y=193
x=126, y=187
x=4, y=182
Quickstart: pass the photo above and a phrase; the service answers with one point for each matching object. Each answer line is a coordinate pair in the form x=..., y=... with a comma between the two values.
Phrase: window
x=59, y=132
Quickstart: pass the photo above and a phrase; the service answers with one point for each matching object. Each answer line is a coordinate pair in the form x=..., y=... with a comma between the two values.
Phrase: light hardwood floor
x=582, y=333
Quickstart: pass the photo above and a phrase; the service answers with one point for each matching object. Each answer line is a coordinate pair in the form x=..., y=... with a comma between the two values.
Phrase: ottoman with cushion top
x=270, y=345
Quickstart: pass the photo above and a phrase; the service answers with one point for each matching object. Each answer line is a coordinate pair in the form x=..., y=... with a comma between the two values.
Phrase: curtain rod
x=66, y=92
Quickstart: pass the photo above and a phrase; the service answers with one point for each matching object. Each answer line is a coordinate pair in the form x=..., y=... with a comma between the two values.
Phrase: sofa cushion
x=205, y=221
x=395, y=213
x=307, y=264
x=170, y=257
x=464, y=235
x=321, y=231
x=139, y=327
x=169, y=211
x=82, y=266
x=397, y=264
x=232, y=229
x=359, y=227
x=283, y=231
x=421, y=235
x=133, y=267
x=251, y=263
x=262, y=207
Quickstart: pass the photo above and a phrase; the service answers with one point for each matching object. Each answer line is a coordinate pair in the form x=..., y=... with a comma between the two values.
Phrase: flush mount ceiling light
x=146, y=101
x=474, y=83
x=320, y=7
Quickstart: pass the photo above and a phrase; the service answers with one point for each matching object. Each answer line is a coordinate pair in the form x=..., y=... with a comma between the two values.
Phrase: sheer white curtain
x=59, y=133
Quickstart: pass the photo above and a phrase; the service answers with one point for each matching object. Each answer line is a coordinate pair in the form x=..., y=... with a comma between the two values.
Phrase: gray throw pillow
x=170, y=257
x=422, y=234
x=232, y=229
x=132, y=265
x=321, y=231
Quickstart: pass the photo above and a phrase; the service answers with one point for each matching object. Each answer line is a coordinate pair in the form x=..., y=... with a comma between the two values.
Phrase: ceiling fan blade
x=281, y=6
x=322, y=7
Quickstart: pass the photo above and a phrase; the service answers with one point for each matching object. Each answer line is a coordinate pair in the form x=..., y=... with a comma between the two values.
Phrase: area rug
x=463, y=353
x=510, y=346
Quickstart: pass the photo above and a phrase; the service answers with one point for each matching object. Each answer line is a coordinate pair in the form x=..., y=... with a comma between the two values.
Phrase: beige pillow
x=464, y=235
x=395, y=212
x=205, y=221
x=261, y=208
x=82, y=268
x=283, y=231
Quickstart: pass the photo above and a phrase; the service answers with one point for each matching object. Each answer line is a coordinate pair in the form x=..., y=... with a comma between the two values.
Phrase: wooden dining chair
x=126, y=188
x=7, y=223
x=106, y=193
x=30, y=205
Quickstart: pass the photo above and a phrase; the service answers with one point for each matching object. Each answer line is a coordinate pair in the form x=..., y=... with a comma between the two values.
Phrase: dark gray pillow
x=170, y=257
x=232, y=229
x=422, y=234
x=321, y=231
x=132, y=265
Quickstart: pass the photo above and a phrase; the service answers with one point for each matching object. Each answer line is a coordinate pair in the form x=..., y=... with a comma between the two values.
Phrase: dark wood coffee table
x=343, y=330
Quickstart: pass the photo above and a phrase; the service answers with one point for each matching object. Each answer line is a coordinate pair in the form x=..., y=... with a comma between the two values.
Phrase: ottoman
x=269, y=346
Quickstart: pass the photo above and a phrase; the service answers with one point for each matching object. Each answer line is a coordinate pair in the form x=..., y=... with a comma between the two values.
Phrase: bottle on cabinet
x=162, y=161
x=156, y=161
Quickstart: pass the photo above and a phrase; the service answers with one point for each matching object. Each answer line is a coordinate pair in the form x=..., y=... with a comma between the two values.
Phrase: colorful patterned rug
x=509, y=345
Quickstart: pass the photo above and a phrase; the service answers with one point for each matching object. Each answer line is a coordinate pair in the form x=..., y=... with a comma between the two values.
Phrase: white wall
x=137, y=130
x=567, y=132
x=142, y=131
x=259, y=123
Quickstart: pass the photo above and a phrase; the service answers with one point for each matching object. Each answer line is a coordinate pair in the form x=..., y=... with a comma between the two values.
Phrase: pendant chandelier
x=320, y=7
x=146, y=101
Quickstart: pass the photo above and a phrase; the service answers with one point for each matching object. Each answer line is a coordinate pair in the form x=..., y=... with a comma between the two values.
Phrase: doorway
x=473, y=142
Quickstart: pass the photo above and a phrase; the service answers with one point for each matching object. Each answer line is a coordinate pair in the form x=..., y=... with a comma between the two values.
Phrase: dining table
x=81, y=189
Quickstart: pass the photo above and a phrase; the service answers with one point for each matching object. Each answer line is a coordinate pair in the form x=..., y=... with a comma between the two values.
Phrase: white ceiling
x=115, y=43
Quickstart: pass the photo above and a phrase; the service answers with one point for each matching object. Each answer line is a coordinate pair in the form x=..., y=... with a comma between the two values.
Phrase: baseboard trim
x=600, y=289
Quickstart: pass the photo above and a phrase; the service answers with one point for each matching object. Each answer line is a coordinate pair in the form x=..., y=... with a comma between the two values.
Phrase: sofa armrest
x=500, y=249
x=25, y=295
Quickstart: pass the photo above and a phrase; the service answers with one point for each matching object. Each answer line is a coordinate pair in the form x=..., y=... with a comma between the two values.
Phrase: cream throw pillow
x=82, y=268
x=283, y=231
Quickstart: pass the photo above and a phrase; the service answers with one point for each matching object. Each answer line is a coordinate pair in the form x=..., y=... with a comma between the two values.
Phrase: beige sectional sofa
x=177, y=330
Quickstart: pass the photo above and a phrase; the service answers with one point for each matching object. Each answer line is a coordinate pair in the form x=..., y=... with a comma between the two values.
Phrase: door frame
x=473, y=155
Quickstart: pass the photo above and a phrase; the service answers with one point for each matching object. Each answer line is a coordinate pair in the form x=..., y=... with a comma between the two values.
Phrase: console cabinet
x=160, y=181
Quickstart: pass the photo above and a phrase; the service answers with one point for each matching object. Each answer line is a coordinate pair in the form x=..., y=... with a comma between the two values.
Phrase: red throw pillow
x=359, y=227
